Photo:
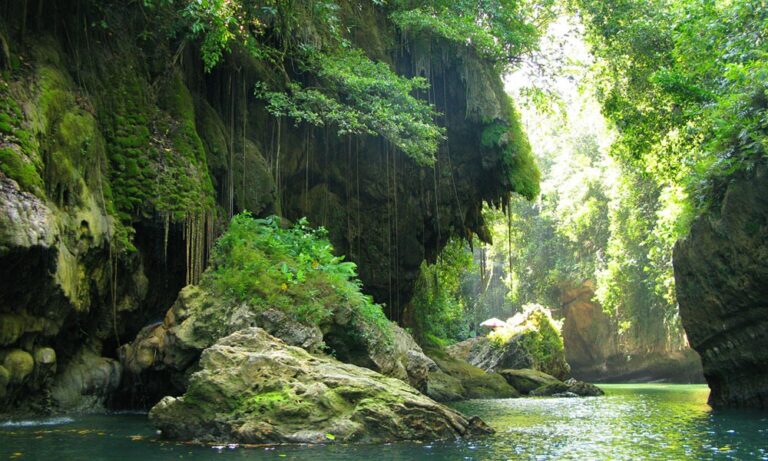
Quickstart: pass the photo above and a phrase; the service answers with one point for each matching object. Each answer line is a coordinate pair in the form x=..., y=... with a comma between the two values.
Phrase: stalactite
x=231, y=175
x=396, y=228
x=357, y=180
x=448, y=156
x=509, y=235
x=244, y=105
x=166, y=225
x=277, y=166
x=389, y=234
x=348, y=193
x=307, y=146
x=113, y=264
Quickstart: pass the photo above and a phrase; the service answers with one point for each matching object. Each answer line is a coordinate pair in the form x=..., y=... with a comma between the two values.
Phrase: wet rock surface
x=255, y=388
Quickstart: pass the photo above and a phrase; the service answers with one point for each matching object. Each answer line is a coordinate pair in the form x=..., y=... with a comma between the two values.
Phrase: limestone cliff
x=721, y=272
x=121, y=159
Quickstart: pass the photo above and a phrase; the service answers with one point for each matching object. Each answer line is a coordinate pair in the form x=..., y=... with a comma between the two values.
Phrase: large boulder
x=455, y=379
x=255, y=388
x=530, y=339
x=174, y=345
x=721, y=276
x=526, y=380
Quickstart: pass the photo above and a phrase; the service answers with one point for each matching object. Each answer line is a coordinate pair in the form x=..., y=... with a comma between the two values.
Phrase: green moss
x=19, y=364
x=13, y=165
x=11, y=328
x=283, y=404
x=517, y=161
x=18, y=157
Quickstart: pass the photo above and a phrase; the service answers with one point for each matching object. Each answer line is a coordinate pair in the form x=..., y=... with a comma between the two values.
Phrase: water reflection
x=629, y=423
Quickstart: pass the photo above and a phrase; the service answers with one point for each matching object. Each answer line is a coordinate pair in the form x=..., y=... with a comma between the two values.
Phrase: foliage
x=261, y=264
x=684, y=83
x=690, y=106
x=316, y=75
x=16, y=159
x=358, y=95
x=439, y=309
x=500, y=31
x=516, y=157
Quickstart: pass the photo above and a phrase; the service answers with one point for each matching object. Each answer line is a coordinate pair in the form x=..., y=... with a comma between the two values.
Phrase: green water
x=631, y=422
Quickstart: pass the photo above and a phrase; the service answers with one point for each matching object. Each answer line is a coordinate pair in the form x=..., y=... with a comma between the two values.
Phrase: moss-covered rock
x=19, y=364
x=526, y=380
x=530, y=339
x=254, y=388
x=455, y=379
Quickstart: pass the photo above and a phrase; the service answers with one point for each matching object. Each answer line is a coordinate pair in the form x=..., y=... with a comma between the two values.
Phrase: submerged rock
x=255, y=388
x=721, y=276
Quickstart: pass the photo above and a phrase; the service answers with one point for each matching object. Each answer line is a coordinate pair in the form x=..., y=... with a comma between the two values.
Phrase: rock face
x=254, y=388
x=589, y=335
x=111, y=166
x=721, y=275
x=595, y=352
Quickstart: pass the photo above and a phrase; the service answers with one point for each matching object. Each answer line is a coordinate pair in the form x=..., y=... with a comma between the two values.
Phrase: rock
x=455, y=379
x=394, y=354
x=565, y=395
x=590, y=336
x=682, y=367
x=526, y=380
x=594, y=352
x=538, y=384
x=176, y=343
x=480, y=352
x=19, y=364
x=45, y=361
x=87, y=381
x=550, y=390
x=11, y=328
x=254, y=388
x=721, y=276
x=583, y=389
x=531, y=339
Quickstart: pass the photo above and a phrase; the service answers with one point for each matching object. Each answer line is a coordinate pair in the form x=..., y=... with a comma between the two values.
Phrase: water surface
x=631, y=422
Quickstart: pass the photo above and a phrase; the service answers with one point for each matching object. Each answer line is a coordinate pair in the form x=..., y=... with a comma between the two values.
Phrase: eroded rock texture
x=254, y=388
x=721, y=272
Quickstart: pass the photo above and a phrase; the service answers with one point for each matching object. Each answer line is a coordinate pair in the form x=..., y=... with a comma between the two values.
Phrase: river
x=630, y=422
